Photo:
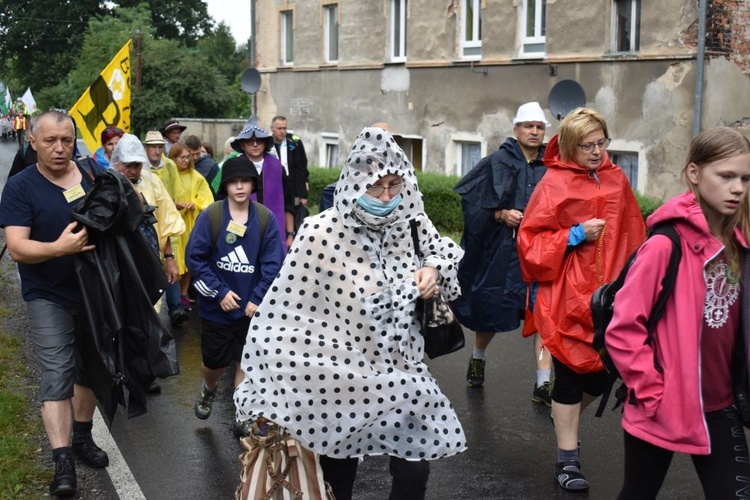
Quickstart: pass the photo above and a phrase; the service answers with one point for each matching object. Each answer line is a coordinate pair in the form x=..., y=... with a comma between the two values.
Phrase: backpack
x=215, y=218
x=602, y=309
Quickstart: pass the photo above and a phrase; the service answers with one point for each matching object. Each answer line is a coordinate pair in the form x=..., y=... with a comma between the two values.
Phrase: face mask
x=376, y=207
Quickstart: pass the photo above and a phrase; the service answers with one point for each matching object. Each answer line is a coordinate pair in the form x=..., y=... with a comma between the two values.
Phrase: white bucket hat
x=530, y=112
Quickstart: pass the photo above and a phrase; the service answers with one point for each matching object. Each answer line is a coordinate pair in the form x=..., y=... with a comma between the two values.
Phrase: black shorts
x=569, y=386
x=221, y=344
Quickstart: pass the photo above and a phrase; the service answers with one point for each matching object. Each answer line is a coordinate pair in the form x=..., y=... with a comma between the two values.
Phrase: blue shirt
x=30, y=200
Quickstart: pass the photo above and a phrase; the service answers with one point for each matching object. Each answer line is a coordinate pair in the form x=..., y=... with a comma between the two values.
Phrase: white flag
x=7, y=102
x=29, y=101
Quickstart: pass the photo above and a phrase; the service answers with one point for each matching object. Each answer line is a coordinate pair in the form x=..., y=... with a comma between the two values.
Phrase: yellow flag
x=106, y=102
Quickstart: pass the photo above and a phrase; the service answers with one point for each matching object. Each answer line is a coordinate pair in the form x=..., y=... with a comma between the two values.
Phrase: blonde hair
x=577, y=125
x=715, y=144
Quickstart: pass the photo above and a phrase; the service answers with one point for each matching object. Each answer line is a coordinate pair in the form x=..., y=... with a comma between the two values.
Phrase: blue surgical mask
x=376, y=207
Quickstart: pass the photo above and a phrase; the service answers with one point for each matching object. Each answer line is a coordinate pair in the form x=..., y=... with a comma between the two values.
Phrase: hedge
x=441, y=204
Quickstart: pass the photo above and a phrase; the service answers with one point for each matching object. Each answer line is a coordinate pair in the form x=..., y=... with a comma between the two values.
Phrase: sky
x=235, y=13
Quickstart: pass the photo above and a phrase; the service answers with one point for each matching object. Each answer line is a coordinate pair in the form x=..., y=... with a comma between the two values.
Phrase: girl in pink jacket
x=683, y=388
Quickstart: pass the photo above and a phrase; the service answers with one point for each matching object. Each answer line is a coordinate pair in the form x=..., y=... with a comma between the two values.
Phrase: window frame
x=534, y=46
x=471, y=49
x=454, y=151
x=286, y=22
x=328, y=139
x=615, y=29
x=400, y=28
x=330, y=14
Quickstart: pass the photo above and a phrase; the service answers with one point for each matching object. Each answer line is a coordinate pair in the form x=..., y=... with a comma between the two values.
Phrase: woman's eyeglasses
x=377, y=191
x=589, y=146
x=184, y=158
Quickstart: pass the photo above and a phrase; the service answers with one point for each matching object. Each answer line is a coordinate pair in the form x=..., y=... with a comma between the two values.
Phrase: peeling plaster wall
x=647, y=98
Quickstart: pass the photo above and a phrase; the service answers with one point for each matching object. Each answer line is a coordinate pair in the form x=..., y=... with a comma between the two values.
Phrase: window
x=471, y=29
x=628, y=162
x=287, y=37
x=398, y=30
x=329, y=151
x=468, y=154
x=331, y=13
x=626, y=25
x=534, y=19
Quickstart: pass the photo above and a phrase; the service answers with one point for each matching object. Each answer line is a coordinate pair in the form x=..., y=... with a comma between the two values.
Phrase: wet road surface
x=511, y=454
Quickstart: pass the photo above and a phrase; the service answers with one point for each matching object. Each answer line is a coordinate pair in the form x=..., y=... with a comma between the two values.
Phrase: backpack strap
x=215, y=218
x=657, y=310
x=667, y=283
x=415, y=236
x=214, y=221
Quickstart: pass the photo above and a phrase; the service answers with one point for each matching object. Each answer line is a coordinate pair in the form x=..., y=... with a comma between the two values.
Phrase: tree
x=184, y=20
x=40, y=38
x=175, y=80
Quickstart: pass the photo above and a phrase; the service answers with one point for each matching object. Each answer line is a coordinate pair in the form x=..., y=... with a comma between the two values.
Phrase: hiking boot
x=154, y=388
x=543, y=394
x=568, y=476
x=178, y=316
x=64, y=482
x=204, y=402
x=86, y=450
x=475, y=373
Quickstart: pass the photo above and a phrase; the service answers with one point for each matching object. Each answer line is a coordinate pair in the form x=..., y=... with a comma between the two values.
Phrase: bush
x=441, y=204
x=647, y=204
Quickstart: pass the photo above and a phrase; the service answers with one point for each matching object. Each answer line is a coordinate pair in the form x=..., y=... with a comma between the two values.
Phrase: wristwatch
x=291, y=233
x=169, y=256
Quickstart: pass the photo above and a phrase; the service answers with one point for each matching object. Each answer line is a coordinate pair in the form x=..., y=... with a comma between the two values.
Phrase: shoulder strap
x=415, y=235
x=214, y=220
x=215, y=217
x=670, y=277
x=263, y=217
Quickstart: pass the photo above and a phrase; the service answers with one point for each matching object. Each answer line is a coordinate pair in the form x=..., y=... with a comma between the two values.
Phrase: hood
x=374, y=155
x=552, y=159
x=511, y=147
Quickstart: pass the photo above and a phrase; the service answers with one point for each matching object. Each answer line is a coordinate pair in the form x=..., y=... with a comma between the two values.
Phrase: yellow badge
x=74, y=193
x=237, y=229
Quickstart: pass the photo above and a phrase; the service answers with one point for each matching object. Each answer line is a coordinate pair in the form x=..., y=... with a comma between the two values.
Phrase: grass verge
x=21, y=475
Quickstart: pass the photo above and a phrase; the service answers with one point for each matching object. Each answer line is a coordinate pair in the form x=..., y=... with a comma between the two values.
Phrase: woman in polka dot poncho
x=334, y=353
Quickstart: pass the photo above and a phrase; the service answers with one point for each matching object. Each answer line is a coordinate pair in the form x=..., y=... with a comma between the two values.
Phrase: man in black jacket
x=291, y=153
x=494, y=195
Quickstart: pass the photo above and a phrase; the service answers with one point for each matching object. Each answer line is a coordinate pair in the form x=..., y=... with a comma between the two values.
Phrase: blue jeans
x=173, y=297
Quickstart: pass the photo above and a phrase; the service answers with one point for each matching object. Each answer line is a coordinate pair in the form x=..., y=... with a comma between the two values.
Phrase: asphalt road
x=168, y=453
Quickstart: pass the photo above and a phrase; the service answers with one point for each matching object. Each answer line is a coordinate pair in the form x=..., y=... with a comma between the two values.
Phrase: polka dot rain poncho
x=334, y=353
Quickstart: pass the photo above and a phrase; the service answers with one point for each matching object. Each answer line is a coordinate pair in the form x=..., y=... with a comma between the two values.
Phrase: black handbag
x=441, y=330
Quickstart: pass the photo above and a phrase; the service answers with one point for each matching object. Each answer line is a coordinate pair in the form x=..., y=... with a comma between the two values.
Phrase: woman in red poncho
x=580, y=226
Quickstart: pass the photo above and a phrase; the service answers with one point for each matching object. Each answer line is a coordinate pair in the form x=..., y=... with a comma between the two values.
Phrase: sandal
x=568, y=476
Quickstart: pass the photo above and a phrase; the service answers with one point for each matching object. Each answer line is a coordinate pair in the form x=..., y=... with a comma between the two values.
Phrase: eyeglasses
x=255, y=141
x=589, y=146
x=184, y=158
x=377, y=191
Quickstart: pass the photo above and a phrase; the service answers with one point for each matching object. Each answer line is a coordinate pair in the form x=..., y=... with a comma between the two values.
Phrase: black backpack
x=603, y=302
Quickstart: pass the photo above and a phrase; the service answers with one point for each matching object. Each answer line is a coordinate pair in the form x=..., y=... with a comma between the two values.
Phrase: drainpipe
x=698, y=104
x=251, y=46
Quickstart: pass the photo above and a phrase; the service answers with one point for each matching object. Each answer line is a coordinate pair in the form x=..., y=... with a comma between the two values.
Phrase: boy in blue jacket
x=233, y=265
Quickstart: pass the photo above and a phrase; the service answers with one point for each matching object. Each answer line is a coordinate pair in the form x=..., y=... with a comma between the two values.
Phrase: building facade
x=448, y=76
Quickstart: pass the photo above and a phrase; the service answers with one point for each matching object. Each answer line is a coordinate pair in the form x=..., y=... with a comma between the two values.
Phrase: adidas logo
x=236, y=262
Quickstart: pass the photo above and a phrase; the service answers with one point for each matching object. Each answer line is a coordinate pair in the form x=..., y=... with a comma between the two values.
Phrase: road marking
x=118, y=470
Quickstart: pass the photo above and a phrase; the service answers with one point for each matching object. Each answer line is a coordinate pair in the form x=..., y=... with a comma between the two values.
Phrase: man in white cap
x=130, y=158
x=494, y=195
